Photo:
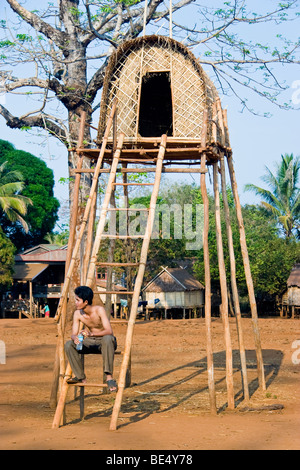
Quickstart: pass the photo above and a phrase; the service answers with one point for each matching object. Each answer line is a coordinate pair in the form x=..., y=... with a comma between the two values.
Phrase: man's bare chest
x=91, y=321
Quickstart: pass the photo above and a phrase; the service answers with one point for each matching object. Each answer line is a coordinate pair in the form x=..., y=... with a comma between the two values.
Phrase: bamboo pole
x=59, y=363
x=234, y=288
x=86, y=214
x=148, y=170
x=62, y=399
x=209, y=348
x=102, y=219
x=223, y=286
x=90, y=237
x=249, y=281
x=138, y=286
x=74, y=212
x=128, y=250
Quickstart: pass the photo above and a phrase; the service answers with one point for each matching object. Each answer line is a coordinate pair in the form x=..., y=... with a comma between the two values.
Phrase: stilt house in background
x=291, y=298
x=38, y=277
x=176, y=292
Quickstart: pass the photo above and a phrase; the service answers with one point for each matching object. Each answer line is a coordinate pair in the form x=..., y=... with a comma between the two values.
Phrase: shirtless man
x=98, y=337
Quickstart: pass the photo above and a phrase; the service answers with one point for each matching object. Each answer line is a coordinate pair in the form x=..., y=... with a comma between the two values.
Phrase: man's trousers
x=104, y=345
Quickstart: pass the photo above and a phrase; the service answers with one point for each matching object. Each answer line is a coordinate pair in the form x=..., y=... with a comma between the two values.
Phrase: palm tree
x=59, y=239
x=12, y=203
x=283, y=199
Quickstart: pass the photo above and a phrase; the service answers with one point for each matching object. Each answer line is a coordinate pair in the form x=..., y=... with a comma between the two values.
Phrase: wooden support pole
x=146, y=170
x=59, y=363
x=223, y=286
x=209, y=348
x=249, y=281
x=129, y=249
x=74, y=210
x=138, y=286
x=85, y=217
x=90, y=237
x=62, y=399
x=234, y=288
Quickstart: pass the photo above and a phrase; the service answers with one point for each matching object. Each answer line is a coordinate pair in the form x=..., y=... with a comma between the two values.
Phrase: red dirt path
x=167, y=406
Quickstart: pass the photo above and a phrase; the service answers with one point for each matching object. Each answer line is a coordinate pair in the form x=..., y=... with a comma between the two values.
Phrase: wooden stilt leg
x=235, y=295
x=223, y=285
x=62, y=400
x=209, y=348
x=138, y=286
x=249, y=281
x=81, y=393
x=59, y=367
x=207, y=307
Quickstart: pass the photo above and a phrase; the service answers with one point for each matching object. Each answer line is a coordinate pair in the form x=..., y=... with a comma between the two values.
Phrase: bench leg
x=81, y=394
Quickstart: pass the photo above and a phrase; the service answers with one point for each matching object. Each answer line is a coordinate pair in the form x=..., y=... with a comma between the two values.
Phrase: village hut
x=291, y=297
x=176, y=292
x=161, y=88
x=38, y=276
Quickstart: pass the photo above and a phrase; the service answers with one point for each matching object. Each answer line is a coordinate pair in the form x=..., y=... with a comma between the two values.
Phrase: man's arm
x=75, y=327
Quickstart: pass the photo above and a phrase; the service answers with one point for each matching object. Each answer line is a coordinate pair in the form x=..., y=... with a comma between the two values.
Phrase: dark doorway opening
x=155, y=116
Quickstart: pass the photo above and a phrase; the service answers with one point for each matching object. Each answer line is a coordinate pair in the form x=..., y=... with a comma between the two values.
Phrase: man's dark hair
x=84, y=293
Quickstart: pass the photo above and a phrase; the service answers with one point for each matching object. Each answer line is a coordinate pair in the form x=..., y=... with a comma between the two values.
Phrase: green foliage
x=7, y=251
x=57, y=238
x=38, y=186
x=282, y=200
x=13, y=204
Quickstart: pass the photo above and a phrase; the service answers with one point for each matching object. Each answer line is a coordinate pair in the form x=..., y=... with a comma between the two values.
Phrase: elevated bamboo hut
x=161, y=88
x=160, y=112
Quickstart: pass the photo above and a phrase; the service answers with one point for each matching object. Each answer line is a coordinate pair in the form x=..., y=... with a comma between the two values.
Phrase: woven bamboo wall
x=191, y=89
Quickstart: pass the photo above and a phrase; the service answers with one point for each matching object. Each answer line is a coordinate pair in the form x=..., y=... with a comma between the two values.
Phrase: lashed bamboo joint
x=164, y=110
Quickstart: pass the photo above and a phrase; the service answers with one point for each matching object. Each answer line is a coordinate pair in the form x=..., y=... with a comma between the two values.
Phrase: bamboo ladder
x=93, y=262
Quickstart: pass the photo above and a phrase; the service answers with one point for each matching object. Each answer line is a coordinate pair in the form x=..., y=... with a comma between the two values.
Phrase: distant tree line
x=28, y=208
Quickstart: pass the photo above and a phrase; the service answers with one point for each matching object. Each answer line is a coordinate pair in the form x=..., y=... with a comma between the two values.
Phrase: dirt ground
x=167, y=405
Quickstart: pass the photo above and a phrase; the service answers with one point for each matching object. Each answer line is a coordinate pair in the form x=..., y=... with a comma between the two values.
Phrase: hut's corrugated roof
x=43, y=253
x=173, y=280
x=294, y=277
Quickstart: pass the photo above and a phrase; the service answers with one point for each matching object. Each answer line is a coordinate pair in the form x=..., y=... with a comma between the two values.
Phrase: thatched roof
x=294, y=277
x=192, y=90
x=173, y=280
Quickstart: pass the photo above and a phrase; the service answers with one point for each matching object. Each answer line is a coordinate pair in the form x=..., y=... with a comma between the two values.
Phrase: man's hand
x=75, y=339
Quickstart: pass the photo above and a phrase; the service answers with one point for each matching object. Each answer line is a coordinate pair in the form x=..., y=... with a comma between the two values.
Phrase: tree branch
x=41, y=120
x=59, y=37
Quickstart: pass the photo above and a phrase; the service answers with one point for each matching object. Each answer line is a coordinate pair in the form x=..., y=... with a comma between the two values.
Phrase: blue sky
x=256, y=141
